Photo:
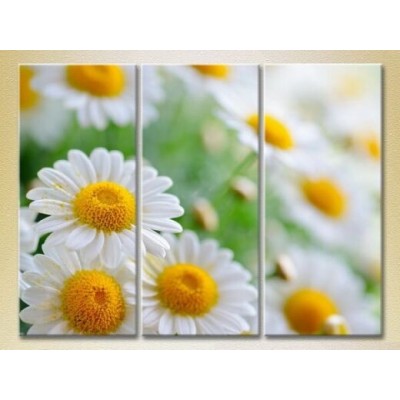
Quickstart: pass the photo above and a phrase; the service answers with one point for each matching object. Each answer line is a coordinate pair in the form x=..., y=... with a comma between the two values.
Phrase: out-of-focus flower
x=68, y=296
x=329, y=202
x=287, y=139
x=98, y=93
x=205, y=215
x=42, y=119
x=199, y=79
x=28, y=237
x=197, y=289
x=324, y=287
x=91, y=205
x=244, y=187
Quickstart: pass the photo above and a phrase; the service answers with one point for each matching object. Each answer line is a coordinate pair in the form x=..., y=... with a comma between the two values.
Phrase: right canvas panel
x=323, y=199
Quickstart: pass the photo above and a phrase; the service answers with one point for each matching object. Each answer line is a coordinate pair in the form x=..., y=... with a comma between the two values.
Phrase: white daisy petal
x=35, y=296
x=80, y=237
x=102, y=163
x=57, y=180
x=51, y=207
x=111, y=250
x=33, y=315
x=83, y=165
x=155, y=186
x=166, y=324
x=162, y=225
x=45, y=193
x=185, y=326
x=117, y=165
x=53, y=223
x=93, y=249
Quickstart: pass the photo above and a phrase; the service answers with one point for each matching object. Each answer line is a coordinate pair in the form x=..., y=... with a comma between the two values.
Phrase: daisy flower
x=91, y=205
x=41, y=118
x=98, y=93
x=196, y=290
x=68, y=296
x=329, y=202
x=209, y=77
x=324, y=287
x=287, y=139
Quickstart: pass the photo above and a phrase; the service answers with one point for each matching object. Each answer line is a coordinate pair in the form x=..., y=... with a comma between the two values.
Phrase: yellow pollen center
x=98, y=80
x=92, y=303
x=105, y=206
x=276, y=133
x=187, y=290
x=218, y=71
x=28, y=97
x=307, y=310
x=370, y=145
x=326, y=196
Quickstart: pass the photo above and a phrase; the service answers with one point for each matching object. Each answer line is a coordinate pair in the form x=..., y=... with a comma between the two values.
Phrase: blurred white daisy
x=41, y=118
x=28, y=237
x=329, y=202
x=98, y=93
x=286, y=138
x=91, y=205
x=68, y=296
x=196, y=290
x=316, y=90
x=324, y=287
x=210, y=77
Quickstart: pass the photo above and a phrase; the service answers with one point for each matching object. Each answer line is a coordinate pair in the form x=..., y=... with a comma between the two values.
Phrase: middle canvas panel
x=200, y=273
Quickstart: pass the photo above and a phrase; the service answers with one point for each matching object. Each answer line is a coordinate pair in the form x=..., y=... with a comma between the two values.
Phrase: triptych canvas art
x=200, y=200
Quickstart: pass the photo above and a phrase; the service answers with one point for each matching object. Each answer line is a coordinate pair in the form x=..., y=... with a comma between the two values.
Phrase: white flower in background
x=324, y=287
x=28, y=237
x=91, y=205
x=98, y=93
x=209, y=77
x=316, y=90
x=152, y=93
x=286, y=139
x=68, y=296
x=329, y=202
x=42, y=119
x=196, y=290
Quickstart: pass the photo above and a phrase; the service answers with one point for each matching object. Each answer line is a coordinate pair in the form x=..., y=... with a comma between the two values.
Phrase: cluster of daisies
x=322, y=154
x=322, y=158
x=83, y=281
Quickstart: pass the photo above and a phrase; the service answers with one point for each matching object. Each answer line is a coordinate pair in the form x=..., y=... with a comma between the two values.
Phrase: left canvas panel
x=77, y=200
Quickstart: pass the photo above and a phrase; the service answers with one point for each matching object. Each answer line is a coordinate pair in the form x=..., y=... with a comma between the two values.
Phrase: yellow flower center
x=371, y=146
x=106, y=206
x=98, y=80
x=326, y=196
x=187, y=289
x=218, y=71
x=92, y=303
x=276, y=133
x=28, y=98
x=307, y=310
